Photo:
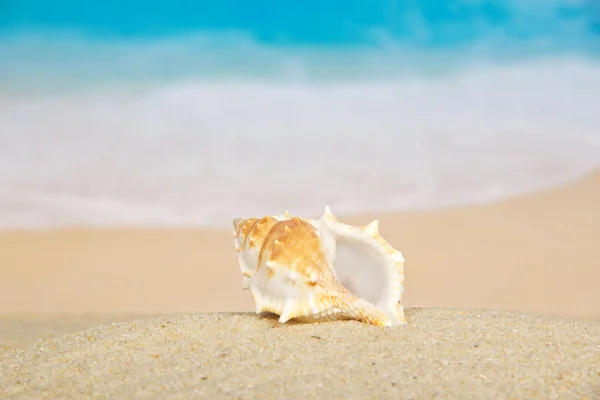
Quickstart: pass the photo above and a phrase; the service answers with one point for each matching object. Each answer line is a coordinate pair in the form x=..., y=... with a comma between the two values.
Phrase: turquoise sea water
x=188, y=112
x=565, y=24
x=87, y=43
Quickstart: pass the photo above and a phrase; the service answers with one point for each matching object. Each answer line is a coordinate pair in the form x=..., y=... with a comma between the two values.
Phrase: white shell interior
x=362, y=270
x=357, y=269
x=361, y=267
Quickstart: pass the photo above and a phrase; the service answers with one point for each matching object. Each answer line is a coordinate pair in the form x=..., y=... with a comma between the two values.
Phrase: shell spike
x=287, y=214
x=372, y=227
x=328, y=214
x=258, y=301
x=287, y=313
x=245, y=283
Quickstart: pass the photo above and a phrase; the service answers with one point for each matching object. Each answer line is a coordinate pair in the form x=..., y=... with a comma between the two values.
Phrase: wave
x=199, y=153
x=109, y=118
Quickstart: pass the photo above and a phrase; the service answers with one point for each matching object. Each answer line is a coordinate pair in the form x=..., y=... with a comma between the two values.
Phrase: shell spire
x=320, y=270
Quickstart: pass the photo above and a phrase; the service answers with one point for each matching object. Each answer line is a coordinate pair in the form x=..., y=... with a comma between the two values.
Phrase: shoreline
x=534, y=253
x=562, y=184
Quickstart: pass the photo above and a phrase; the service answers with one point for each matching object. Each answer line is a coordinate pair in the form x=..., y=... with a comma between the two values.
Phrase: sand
x=504, y=302
x=441, y=353
x=534, y=253
x=20, y=330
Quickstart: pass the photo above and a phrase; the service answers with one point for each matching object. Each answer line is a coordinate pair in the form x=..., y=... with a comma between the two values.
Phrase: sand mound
x=20, y=330
x=447, y=353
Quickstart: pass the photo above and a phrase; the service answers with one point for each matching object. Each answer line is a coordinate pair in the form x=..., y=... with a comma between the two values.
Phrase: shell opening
x=362, y=271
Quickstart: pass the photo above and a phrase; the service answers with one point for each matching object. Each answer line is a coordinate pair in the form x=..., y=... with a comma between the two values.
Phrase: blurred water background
x=191, y=112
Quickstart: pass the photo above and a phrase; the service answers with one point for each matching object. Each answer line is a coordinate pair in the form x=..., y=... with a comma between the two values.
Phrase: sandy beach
x=134, y=134
x=535, y=253
x=504, y=302
x=440, y=354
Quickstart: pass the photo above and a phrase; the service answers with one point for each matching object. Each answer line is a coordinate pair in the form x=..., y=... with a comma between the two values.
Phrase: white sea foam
x=199, y=153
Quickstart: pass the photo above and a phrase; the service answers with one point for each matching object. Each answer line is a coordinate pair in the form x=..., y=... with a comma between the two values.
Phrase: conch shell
x=320, y=270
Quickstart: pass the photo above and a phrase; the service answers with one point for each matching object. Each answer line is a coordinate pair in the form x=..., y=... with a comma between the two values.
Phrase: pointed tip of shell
x=328, y=214
x=245, y=283
x=237, y=222
x=372, y=227
x=286, y=314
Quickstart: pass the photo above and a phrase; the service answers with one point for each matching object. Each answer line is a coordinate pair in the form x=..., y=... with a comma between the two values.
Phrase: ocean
x=189, y=113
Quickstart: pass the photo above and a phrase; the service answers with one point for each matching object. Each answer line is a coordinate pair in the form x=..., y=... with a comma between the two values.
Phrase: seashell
x=320, y=269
